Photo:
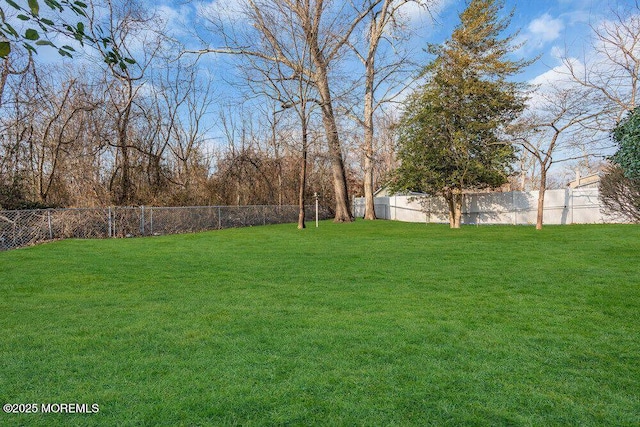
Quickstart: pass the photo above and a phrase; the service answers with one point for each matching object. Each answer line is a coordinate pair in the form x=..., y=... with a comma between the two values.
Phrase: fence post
x=142, y=220
x=49, y=223
x=109, y=222
x=219, y=221
x=151, y=220
x=513, y=206
x=571, y=202
x=395, y=203
x=15, y=229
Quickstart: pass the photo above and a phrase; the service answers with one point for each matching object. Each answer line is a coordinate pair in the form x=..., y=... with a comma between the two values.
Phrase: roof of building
x=589, y=181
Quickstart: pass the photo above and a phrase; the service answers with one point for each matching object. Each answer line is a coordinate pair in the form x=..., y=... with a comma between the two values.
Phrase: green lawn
x=378, y=323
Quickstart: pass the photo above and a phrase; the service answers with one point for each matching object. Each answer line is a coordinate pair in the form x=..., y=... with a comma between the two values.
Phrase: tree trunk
x=303, y=168
x=124, y=198
x=458, y=212
x=4, y=74
x=369, y=208
x=303, y=184
x=276, y=152
x=454, y=201
x=541, y=192
x=343, y=210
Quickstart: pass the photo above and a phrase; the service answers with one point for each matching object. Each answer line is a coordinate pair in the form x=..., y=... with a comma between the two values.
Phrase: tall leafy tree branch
x=43, y=24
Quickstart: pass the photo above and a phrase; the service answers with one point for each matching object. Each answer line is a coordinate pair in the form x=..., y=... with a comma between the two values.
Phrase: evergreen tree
x=627, y=136
x=452, y=133
x=620, y=186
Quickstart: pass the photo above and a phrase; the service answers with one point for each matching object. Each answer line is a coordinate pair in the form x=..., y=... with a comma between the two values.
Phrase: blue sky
x=549, y=28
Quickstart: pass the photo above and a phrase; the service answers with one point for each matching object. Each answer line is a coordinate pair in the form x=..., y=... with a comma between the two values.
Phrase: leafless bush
x=620, y=195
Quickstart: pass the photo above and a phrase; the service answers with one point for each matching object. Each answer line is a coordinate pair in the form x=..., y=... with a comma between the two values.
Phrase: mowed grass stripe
x=370, y=323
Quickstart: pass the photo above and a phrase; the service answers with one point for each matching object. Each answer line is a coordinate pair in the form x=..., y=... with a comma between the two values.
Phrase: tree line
x=136, y=118
x=71, y=137
x=135, y=123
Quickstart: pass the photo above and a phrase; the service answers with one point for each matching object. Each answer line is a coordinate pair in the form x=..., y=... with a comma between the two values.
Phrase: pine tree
x=452, y=133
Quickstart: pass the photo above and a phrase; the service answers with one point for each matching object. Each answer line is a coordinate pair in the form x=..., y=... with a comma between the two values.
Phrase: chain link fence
x=28, y=227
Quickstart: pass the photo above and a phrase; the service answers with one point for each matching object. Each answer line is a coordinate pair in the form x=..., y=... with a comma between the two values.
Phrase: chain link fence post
x=142, y=220
x=110, y=224
x=49, y=224
x=15, y=230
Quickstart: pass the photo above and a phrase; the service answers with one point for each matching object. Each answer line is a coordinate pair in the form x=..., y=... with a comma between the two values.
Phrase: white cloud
x=225, y=10
x=557, y=52
x=558, y=76
x=175, y=20
x=578, y=17
x=421, y=13
x=539, y=33
x=545, y=28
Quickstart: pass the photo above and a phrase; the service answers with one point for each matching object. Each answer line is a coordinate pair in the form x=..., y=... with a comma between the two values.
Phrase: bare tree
x=246, y=166
x=133, y=133
x=620, y=194
x=384, y=25
x=612, y=67
x=560, y=118
x=8, y=68
x=62, y=126
x=288, y=92
x=51, y=128
x=128, y=26
x=15, y=131
x=186, y=135
x=15, y=66
x=326, y=27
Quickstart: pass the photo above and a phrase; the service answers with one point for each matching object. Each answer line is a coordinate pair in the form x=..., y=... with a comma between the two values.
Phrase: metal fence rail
x=28, y=227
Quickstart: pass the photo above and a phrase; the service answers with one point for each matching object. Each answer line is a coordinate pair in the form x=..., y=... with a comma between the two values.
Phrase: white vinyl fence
x=568, y=206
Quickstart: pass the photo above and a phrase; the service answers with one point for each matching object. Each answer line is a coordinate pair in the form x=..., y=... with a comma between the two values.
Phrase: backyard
x=369, y=323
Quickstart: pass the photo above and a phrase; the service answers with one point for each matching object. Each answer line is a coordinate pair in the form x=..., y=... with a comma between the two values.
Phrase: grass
x=378, y=323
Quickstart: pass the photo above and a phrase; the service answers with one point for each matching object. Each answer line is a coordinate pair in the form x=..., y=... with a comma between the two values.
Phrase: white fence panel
x=518, y=207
